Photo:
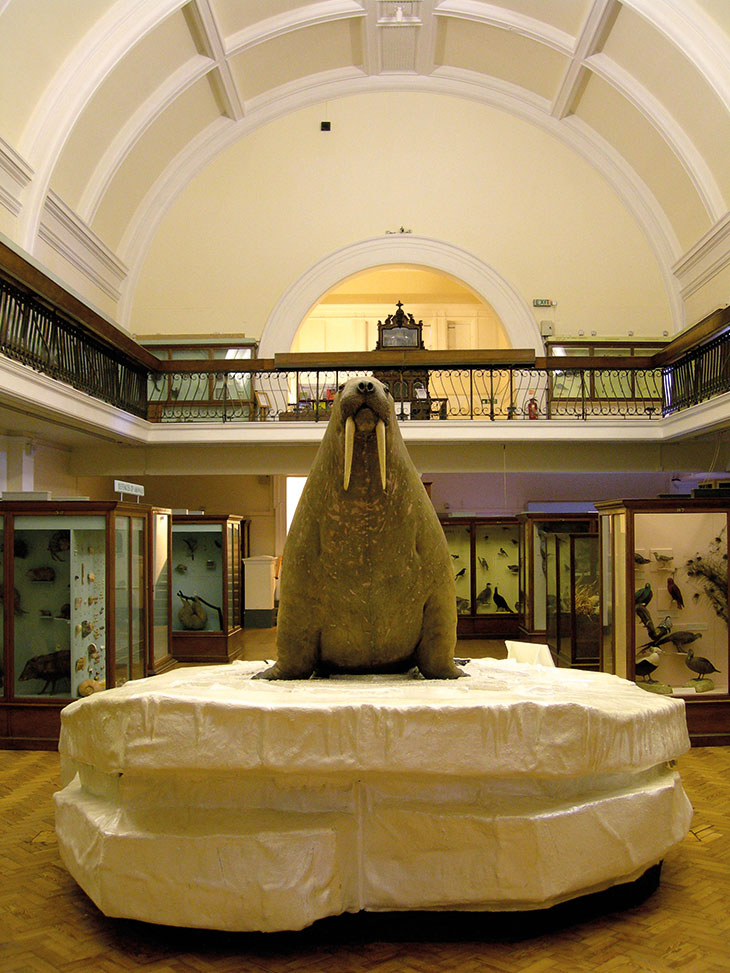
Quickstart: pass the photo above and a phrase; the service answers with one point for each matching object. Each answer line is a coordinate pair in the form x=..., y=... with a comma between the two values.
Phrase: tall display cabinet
x=485, y=555
x=82, y=608
x=537, y=533
x=207, y=581
x=664, y=603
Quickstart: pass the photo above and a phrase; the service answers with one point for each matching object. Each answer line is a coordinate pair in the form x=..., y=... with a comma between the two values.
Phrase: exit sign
x=543, y=302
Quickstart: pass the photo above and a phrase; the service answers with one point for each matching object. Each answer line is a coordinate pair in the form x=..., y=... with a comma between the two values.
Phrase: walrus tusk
x=380, y=436
x=349, y=443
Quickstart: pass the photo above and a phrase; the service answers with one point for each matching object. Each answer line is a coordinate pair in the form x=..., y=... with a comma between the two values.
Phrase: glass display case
x=485, y=555
x=536, y=531
x=77, y=575
x=207, y=553
x=664, y=611
x=573, y=600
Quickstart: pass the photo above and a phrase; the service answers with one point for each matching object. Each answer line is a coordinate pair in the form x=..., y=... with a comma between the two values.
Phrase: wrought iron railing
x=479, y=393
x=38, y=336
x=701, y=374
x=54, y=342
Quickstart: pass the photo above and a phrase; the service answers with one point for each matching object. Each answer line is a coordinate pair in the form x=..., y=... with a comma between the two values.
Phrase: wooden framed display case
x=207, y=555
x=664, y=603
x=77, y=575
x=485, y=554
x=536, y=530
x=573, y=600
x=160, y=591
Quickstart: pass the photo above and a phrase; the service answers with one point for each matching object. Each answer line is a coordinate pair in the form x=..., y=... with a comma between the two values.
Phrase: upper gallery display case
x=78, y=575
x=207, y=551
x=485, y=555
x=664, y=603
x=537, y=531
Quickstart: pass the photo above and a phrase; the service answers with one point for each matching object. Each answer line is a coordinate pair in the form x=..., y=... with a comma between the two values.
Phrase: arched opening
x=401, y=250
x=453, y=314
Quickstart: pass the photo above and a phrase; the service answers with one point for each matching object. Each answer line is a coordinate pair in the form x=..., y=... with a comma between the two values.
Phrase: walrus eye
x=387, y=388
x=340, y=387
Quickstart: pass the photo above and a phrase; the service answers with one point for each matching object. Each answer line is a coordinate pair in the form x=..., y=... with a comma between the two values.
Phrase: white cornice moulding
x=15, y=174
x=705, y=259
x=306, y=16
x=77, y=243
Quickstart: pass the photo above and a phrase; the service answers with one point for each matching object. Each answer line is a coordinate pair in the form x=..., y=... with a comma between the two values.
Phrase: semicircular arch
x=302, y=295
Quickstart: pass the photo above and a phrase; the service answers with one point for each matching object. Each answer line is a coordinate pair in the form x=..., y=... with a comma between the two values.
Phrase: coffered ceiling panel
x=567, y=15
x=295, y=55
x=635, y=138
x=145, y=69
x=500, y=54
x=35, y=38
x=665, y=72
x=233, y=15
x=189, y=114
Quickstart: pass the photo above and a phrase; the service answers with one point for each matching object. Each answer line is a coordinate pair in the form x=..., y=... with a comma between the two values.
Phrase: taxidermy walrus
x=367, y=583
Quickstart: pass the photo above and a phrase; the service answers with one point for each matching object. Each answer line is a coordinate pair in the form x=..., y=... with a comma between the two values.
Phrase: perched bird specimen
x=460, y=574
x=502, y=553
x=680, y=640
x=675, y=593
x=640, y=559
x=699, y=664
x=644, y=595
x=663, y=558
x=647, y=621
x=514, y=568
x=644, y=667
x=485, y=595
x=500, y=603
x=483, y=563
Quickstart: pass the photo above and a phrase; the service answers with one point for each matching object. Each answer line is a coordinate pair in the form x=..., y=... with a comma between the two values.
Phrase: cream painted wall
x=492, y=494
x=272, y=205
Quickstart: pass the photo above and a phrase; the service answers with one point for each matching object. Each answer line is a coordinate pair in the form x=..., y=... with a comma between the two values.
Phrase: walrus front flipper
x=435, y=650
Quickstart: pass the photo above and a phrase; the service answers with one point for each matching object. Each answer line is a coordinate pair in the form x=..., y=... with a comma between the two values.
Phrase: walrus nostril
x=364, y=387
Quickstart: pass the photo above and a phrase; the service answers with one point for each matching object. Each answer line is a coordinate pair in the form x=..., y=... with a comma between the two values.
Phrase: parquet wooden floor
x=48, y=924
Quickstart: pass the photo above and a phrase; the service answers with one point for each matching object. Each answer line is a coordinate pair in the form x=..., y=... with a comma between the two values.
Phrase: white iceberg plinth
x=202, y=798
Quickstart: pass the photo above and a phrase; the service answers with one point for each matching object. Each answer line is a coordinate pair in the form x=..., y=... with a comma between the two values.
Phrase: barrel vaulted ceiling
x=111, y=107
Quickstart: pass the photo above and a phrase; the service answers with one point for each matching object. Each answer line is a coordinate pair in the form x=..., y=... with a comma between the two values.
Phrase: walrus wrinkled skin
x=367, y=584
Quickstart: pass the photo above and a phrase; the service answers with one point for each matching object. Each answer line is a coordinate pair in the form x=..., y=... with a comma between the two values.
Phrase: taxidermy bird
x=483, y=563
x=699, y=664
x=647, y=621
x=663, y=558
x=680, y=640
x=514, y=568
x=502, y=553
x=460, y=574
x=675, y=593
x=644, y=667
x=640, y=559
x=500, y=603
x=485, y=595
x=644, y=595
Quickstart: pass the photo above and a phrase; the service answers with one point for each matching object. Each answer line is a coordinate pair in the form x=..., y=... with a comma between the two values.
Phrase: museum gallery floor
x=204, y=798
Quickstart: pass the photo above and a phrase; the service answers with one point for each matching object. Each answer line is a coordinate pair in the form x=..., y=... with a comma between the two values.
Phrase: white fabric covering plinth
x=203, y=798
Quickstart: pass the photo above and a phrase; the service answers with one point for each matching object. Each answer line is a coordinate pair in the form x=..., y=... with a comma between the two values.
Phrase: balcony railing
x=72, y=344
x=36, y=335
x=442, y=393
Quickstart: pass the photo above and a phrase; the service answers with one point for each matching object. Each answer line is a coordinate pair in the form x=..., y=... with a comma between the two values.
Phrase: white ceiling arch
x=293, y=306
x=567, y=66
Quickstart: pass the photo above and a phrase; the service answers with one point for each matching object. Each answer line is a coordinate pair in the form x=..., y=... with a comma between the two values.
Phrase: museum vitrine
x=537, y=531
x=77, y=575
x=485, y=556
x=573, y=600
x=664, y=602
x=207, y=552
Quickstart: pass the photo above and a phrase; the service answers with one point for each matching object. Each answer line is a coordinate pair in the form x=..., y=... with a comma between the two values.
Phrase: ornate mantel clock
x=400, y=330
